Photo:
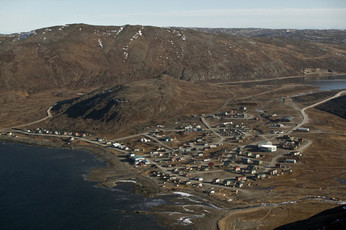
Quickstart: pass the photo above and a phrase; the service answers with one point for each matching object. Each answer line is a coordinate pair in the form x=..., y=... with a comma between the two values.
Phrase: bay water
x=44, y=188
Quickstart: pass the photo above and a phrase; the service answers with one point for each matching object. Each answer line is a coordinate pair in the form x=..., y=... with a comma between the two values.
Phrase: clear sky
x=25, y=15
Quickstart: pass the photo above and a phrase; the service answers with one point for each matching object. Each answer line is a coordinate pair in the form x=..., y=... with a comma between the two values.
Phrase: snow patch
x=183, y=194
x=128, y=181
x=187, y=221
x=119, y=31
x=180, y=34
x=126, y=55
x=186, y=209
x=137, y=35
x=100, y=43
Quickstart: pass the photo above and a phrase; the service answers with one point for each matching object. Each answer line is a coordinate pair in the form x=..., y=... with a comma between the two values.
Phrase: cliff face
x=81, y=55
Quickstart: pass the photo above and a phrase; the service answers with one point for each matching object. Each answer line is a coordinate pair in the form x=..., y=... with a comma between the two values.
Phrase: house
x=246, y=160
x=239, y=184
x=257, y=162
x=227, y=182
x=261, y=175
x=237, y=168
x=216, y=181
x=241, y=178
x=274, y=172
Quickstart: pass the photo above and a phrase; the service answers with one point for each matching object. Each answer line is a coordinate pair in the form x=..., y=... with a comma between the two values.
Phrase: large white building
x=266, y=146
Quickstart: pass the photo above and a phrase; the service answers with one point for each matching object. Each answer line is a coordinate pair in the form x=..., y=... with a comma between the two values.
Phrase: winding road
x=304, y=114
x=49, y=115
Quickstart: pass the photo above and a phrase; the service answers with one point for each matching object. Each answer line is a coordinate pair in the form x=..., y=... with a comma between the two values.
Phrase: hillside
x=334, y=218
x=79, y=55
x=133, y=106
x=335, y=106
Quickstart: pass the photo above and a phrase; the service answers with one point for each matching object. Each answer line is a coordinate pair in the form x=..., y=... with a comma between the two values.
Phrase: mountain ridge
x=81, y=55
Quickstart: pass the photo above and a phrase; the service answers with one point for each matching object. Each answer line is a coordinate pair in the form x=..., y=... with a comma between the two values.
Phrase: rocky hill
x=136, y=105
x=331, y=219
x=79, y=55
x=336, y=106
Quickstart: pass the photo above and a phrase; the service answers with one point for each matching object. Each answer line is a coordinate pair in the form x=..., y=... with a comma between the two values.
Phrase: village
x=218, y=154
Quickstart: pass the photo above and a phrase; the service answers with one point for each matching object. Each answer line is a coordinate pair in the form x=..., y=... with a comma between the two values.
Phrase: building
x=303, y=129
x=293, y=161
x=268, y=148
x=138, y=160
x=216, y=181
x=241, y=178
x=287, y=119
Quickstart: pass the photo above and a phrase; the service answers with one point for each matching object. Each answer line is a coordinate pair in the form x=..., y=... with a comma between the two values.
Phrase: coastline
x=100, y=175
x=117, y=171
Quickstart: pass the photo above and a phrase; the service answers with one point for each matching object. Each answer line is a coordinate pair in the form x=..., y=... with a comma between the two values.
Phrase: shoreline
x=116, y=172
x=106, y=156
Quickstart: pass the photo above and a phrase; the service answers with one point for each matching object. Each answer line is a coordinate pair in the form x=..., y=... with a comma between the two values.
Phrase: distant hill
x=79, y=55
x=336, y=106
x=323, y=36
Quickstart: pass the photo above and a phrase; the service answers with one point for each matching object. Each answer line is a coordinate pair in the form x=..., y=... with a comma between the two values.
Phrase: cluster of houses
x=230, y=114
x=56, y=132
x=290, y=143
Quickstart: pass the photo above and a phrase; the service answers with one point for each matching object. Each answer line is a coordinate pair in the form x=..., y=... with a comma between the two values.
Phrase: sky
x=25, y=15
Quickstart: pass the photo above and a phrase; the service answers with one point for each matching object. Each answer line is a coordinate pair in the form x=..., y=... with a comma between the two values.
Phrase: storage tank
x=303, y=129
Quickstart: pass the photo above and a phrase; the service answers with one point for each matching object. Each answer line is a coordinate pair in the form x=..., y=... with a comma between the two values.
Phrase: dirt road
x=304, y=114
